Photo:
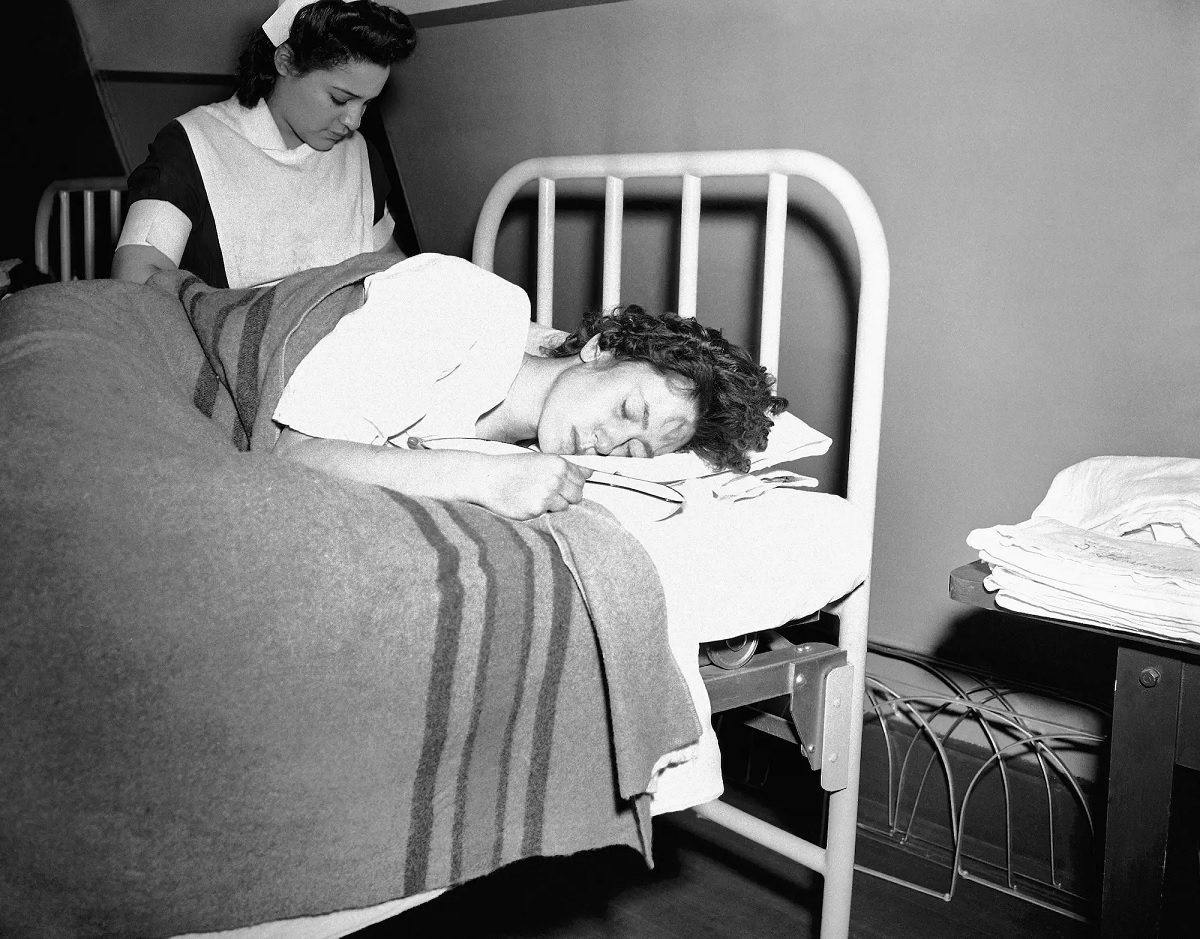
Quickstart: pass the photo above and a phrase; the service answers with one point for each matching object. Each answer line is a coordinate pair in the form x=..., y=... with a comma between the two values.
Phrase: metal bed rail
x=840, y=700
x=56, y=214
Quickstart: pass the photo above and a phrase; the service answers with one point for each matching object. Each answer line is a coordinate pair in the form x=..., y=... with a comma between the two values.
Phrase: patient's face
x=324, y=107
x=614, y=408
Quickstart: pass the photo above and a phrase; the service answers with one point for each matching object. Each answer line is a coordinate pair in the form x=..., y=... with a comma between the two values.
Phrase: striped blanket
x=235, y=690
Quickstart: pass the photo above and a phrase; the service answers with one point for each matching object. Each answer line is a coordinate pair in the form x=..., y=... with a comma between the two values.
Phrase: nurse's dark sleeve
x=380, y=183
x=170, y=173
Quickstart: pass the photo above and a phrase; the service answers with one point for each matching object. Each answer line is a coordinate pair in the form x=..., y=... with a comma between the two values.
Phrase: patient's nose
x=604, y=441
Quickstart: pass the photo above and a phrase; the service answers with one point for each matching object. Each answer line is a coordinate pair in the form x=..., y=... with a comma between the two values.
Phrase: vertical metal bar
x=545, y=249
x=64, y=235
x=689, y=245
x=89, y=235
x=614, y=209
x=114, y=215
x=772, y=298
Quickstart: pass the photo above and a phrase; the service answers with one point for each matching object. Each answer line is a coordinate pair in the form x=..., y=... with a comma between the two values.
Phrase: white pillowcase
x=790, y=439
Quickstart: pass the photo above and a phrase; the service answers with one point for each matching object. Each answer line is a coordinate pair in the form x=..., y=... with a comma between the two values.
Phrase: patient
x=438, y=349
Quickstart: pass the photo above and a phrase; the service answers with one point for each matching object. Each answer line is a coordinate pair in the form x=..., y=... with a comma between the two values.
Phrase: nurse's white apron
x=279, y=210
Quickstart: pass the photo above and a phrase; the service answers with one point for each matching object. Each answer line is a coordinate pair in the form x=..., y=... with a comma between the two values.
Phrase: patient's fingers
x=575, y=471
x=573, y=480
x=526, y=485
x=568, y=488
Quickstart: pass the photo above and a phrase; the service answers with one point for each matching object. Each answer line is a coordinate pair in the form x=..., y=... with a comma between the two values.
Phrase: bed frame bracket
x=800, y=693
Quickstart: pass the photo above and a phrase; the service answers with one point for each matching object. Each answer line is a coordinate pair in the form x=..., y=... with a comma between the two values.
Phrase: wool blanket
x=234, y=689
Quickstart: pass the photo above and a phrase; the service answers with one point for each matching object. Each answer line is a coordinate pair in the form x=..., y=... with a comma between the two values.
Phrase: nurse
x=277, y=179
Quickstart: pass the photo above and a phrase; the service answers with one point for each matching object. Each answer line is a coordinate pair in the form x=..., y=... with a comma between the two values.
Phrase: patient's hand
x=526, y=485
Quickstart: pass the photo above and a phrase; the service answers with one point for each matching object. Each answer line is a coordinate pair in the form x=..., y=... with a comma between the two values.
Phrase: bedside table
x=1155, y=729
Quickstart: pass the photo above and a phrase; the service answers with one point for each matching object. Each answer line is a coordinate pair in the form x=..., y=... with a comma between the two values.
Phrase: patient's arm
x=518, y=486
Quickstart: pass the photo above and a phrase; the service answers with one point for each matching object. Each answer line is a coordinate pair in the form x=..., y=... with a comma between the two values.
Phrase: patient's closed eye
x=631, y=410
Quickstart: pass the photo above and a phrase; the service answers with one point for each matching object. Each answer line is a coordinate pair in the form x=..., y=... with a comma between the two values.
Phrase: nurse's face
x=324, y=107
x=614, y=408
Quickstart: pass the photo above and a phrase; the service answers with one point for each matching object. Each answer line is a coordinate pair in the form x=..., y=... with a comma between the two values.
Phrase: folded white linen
x=1053, y=549
x=1158, y=497
x=1050, y=568
x=1055, y=601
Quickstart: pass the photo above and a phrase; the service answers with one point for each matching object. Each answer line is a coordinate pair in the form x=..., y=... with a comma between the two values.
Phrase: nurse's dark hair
x=734, y=395
x=326, y=34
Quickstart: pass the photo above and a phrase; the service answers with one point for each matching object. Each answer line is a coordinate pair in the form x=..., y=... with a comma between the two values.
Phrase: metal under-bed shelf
x=812, y=679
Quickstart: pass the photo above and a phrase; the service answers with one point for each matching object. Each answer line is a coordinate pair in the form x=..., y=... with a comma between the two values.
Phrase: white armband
x=158, y=224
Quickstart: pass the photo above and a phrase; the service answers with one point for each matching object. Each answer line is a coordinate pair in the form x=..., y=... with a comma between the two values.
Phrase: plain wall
x=167, y=36
x=1036, y=167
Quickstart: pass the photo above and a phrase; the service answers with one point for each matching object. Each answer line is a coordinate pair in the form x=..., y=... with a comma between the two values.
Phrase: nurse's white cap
x=279, y=23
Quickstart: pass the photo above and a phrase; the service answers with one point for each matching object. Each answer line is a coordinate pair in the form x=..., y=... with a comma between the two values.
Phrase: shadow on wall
x=59, y=131
x=1064, y=661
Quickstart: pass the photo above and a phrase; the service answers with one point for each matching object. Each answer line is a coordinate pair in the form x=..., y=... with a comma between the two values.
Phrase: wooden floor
x=706, y=883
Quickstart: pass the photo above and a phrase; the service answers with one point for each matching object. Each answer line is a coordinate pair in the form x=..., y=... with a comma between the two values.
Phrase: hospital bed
x=823, y=540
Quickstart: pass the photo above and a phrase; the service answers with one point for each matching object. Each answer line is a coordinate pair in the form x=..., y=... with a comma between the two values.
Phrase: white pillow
x=790, y=439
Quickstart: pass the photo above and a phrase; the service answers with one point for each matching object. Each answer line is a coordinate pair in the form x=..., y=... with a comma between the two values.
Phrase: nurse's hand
x=526, y=485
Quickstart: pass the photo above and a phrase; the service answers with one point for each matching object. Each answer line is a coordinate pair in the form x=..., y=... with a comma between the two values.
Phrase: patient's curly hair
x=733, y=393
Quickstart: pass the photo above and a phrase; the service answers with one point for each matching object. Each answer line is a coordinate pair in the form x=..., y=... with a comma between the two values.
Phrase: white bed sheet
x=731, y=568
